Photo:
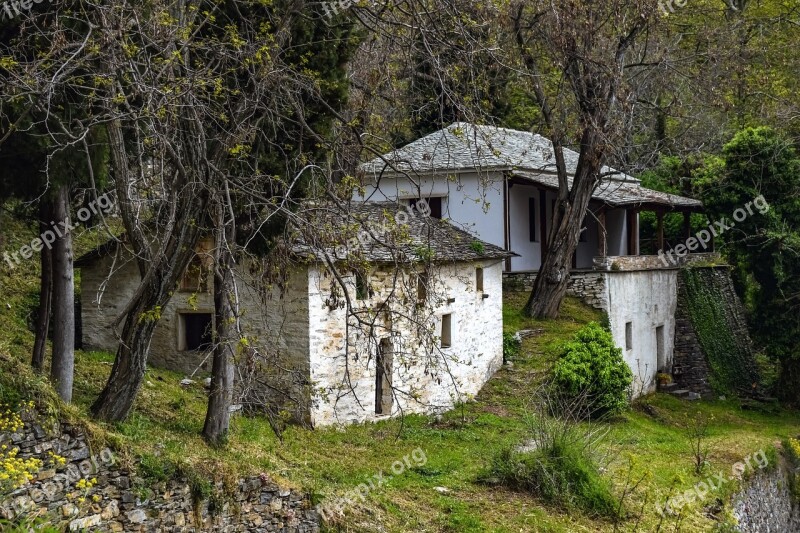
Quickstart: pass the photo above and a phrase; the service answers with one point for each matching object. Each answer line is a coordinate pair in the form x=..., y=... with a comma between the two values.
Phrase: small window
x=532, y=219
x=629, y=335
x=422, y=286
x=362, y=286
x=447, y=331
x=195, y=331
x=479, y=279
x=661, y=356
x=433, y=209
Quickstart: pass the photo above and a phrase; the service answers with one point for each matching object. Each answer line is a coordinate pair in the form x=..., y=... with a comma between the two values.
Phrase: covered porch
x=611, y=230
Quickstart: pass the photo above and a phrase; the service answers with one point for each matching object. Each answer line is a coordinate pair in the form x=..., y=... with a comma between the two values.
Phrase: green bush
x=590, y=366
x=564, y=475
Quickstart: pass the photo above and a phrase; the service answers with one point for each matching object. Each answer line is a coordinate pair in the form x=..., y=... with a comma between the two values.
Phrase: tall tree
x=585, y=47
x=226, y=303
x=62, y=369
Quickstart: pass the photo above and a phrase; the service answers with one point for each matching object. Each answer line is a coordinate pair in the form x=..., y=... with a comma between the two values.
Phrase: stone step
x=668, y=387
x=685, y=394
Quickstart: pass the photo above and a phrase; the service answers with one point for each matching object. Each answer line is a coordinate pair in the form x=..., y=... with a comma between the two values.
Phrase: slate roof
x=528, y=156
x=396, y=236
x=465, y=146
x=620, y=193
x=385, y=236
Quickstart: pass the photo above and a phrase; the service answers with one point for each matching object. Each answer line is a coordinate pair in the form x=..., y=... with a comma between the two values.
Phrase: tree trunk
x=550, y=286
x=63, y=365
x=220, y=399
x=116, y=399
x=161, y=264
x=45, y=289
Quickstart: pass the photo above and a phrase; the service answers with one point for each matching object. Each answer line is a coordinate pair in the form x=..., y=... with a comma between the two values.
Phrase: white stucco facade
x=425, y=377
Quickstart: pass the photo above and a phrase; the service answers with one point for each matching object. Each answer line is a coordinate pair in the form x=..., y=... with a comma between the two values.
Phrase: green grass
x=164, y=430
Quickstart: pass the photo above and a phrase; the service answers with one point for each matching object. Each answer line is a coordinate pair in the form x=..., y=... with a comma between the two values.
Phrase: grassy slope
x=164, y=430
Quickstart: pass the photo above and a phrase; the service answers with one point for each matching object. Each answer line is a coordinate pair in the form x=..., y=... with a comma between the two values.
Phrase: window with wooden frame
x=447, y=331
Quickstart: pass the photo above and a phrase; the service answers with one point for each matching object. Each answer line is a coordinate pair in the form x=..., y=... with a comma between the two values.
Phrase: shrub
x=565, y=476
x=560, y=461
x=511, y=345
x=591, y=366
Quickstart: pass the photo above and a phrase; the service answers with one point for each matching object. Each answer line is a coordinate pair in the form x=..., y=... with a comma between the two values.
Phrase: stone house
x=501, y=186
x=377, y=315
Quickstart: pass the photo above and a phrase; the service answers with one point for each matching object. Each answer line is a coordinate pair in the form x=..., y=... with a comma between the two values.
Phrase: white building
x=501, y=186
x=405, y=319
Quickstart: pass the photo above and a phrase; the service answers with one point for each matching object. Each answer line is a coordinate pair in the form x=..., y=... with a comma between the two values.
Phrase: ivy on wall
x=724, y=342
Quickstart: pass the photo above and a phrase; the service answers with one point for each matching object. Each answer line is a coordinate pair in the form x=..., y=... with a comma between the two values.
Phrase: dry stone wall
x=120, y=501
x=766, y=504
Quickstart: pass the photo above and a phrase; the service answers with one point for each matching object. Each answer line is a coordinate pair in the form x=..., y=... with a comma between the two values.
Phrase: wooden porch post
x=602, y=233
x=506, y=223
x=633, y=232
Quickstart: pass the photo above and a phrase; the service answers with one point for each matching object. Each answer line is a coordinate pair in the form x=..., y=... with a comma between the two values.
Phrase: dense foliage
x=757, y=190
x=591, y=366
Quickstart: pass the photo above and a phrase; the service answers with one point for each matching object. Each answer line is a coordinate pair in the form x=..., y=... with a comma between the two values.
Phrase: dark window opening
x=532, y=219
x=584, y=237
x=447, y=331
x=196, y=331
x=383, y=378
x=629, y=335
x=434, y=204
x=362, y=286
x=479, y=279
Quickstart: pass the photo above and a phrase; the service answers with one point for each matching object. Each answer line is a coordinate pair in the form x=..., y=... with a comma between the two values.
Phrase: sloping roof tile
x=388, y=234
x=465, y=146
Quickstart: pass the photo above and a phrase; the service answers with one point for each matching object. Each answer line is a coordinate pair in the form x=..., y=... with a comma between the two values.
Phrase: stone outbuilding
x=381, y=311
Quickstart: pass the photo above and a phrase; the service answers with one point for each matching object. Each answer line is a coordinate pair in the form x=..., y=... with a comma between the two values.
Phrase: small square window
x=447, y=331
x=479, y=279
x=629, y=335
x=195, y=331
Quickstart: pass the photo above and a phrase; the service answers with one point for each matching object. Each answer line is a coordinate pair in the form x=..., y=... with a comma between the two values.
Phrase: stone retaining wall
x=120, y=501
x=689, y=366
x=766, y=504
x=589, y=286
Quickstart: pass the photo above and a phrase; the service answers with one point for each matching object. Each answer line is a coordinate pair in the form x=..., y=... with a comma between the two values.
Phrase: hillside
x=440, y=491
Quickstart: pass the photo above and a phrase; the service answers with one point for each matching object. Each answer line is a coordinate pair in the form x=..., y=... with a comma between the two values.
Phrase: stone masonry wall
x=120, y=501
x=766, y=504
x=590, y=287
x=689, y=367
